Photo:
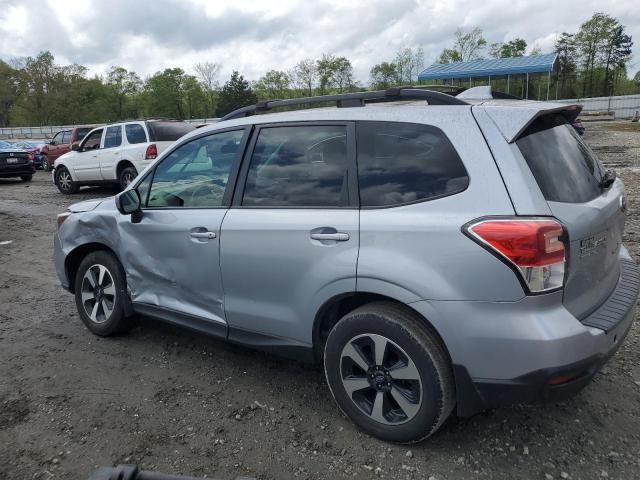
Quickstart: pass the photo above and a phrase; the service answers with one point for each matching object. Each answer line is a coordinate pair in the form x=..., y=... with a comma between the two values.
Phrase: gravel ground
x=179, y=402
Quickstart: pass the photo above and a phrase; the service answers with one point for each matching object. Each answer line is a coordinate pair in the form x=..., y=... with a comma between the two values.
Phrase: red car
x=61, y=144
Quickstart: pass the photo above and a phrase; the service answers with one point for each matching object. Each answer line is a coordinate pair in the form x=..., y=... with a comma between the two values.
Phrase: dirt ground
x=182, y=403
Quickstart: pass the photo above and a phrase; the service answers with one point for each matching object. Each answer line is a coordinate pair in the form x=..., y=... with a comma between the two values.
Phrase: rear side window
x=135, y=133
x=405, y=162
x=303, y=166
x=563, y=165
x=113, y=137
x=168, y=131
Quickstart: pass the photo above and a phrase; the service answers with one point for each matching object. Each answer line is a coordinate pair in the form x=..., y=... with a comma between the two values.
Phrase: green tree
x=449, y=55
x=467, y=46
x=274, y=84
x=208, y=74
x=512, y=48
x=566, y=49
x=122, y=84
x=591, y=40
x=235, y=93
x=7, y=92
x=342, y=75
x=384, y=75
x=325, y=67
x=305, y=75
x=164, y=94
x=617, y=51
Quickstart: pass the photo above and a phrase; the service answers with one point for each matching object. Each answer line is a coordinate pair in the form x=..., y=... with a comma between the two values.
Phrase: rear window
x=168, y=131
x=563, y=165
x=402, y=163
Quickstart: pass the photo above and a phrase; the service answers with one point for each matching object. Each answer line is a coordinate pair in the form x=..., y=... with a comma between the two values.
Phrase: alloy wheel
x=98, y=293
x=64, y=180
x=381, y=379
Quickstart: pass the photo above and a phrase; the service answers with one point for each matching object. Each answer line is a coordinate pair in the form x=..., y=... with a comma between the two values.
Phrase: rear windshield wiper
x=607, y=179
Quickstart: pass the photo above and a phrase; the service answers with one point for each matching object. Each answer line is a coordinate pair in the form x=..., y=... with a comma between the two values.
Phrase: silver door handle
x=339, y=237
x=203, y=235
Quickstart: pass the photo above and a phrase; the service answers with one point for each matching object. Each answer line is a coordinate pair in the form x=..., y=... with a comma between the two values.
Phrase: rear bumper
x=532, y=350
x=8, y=171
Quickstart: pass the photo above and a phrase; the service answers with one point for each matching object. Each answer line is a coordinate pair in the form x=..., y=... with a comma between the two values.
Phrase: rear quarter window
x=401, y=163
x=168, y=131
x=564, y=167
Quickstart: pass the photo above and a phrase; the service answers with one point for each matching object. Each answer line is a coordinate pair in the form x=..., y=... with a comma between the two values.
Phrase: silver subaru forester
x=434, y=251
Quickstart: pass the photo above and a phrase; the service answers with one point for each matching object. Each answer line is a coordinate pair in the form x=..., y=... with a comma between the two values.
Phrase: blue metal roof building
x=494, y=67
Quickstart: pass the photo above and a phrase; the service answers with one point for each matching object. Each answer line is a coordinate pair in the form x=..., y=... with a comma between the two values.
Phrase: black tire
x=411, y=343
x=126, y=177
x=105, y=322
x=45, y=163
x=26, y=178
x=64, y=182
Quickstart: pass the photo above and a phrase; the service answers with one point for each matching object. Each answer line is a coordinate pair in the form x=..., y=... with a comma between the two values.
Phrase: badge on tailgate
x=590, y=245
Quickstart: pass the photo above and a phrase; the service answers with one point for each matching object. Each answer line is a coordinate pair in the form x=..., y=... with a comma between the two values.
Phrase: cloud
x=252, y=37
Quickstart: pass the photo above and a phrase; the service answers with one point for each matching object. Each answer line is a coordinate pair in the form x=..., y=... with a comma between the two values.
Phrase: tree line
x=38, y=91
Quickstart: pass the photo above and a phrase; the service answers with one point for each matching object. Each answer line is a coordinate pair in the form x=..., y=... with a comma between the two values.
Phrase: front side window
x=57, y=139
x=135, y=133
x=66, y=138
x=402, y=163
x=301, y=166
x=196, y=174
x=92, y=141
x=113, y=137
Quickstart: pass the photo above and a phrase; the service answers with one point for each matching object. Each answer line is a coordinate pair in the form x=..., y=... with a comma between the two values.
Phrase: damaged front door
x=172, y=255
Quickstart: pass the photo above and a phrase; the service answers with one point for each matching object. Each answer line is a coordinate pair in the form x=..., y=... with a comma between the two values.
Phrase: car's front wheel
x=45, y=163
x=26, y=178
x=64, y=182
x=100, y=292
x=389, y=373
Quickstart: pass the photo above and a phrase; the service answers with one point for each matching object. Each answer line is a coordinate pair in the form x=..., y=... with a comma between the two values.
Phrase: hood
x=86, y=206
x=66, y=155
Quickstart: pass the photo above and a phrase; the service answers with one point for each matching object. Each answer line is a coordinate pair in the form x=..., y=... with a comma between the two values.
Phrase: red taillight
x=534, y=246
x=152, y=152
x=526, y=243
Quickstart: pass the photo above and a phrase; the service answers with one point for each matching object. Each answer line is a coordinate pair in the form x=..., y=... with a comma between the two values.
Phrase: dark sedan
x=16, y=162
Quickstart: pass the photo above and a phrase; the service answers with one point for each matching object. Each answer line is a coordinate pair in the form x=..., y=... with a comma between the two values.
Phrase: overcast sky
x=255, y=36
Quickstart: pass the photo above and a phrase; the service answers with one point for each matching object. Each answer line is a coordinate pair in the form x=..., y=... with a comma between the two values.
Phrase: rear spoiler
x=513, y=119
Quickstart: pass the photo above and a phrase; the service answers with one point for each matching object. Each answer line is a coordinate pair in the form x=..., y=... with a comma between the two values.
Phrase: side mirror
x=52, y=142
x=76, y=147
x=129, y=203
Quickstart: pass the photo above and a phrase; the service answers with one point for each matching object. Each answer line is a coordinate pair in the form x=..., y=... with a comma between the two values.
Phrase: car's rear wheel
x=389, y=373
x=64, y=182
x=126, y=177
x=26, y=178
x=100, y=292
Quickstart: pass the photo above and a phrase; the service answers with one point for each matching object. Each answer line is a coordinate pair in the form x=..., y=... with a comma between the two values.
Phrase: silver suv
x=435, y=252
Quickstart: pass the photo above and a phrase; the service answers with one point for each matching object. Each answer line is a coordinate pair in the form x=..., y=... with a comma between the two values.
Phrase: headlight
x=62, y=217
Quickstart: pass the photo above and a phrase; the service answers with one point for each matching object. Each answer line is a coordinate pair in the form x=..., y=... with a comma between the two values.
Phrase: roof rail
x=358, y=99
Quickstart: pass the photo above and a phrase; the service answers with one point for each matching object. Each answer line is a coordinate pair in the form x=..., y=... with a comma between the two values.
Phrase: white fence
x=624, y=106
x=42, y=133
